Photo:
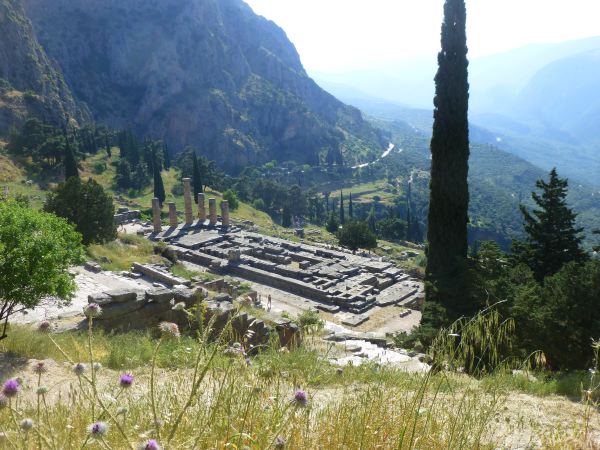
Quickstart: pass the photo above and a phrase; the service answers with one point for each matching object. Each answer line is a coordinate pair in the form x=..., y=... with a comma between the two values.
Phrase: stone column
x=172, y=215
x=156, y=215
x=212, y=211
x=187, y=201
x=201, y=208
x=225, y=213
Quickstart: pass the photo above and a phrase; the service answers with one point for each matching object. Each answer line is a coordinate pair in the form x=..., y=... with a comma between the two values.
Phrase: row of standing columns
x=189, y=217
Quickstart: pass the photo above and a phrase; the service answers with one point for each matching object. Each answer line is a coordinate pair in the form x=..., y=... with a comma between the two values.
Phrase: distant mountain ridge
x=206, y=73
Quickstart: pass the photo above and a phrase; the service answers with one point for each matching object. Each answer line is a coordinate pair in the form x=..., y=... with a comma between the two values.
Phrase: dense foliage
x=36, y=249
x=86, y=205
x=355, y=235
x=552, y=237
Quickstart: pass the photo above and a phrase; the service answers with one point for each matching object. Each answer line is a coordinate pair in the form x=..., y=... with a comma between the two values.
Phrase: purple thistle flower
x=98, y=429
x=126, y=380
x=150, y=445
x=280, y=442
x=44, y=326
x=169, y=330
x=79, y=369
x=40, y=368
x=300, y=397
x=11, y=388
x=92, y=310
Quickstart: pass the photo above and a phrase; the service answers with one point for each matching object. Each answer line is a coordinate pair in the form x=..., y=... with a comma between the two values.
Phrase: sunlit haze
x=335, y=35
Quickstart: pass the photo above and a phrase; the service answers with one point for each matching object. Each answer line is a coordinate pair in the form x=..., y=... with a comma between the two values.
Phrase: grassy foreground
x=188, y=393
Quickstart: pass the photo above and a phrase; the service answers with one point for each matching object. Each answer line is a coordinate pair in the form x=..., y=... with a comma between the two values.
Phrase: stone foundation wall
x=124, y=310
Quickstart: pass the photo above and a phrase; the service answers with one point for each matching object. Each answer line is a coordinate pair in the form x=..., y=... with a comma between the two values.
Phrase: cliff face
x=29, y=83
x=207, y=73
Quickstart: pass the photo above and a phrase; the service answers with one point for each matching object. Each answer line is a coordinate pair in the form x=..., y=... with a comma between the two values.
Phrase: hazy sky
x=333, y=35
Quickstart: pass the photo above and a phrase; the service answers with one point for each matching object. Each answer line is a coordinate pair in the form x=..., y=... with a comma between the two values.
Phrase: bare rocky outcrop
x=30, y=82
x=208, y=73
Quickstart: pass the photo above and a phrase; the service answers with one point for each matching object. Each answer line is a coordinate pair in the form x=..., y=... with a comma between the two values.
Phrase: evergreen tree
x=286, y=217
x=350, y=208
x=196, y=178
x=332, y=224
x=87, y=206
x=409, y=236
x=355, y=235
x=597, y=247
x=342, y=218
x=70, y=162
x=167, y=160
x=372, y=219
x=449, y=191
x=159, y=187
x=553, y=240
x=107, y=146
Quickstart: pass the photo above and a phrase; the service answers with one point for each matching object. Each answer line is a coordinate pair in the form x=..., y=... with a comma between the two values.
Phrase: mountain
x=563, y=95
x=206, y=73
x=30, y=84
x=540, y=101
x=498, y=179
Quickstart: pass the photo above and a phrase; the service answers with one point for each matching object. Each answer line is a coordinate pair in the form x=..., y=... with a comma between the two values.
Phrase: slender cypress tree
x=553, y=239
x=409, y=236
x=167, y=159
x=350, y=208
x=159, y=187
x=196, y=178
x=70, y=162
x=342, y=218
x=449, y=190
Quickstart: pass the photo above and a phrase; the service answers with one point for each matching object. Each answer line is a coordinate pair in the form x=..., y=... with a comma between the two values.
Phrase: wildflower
x=122, y=410
x=300, y=398
x=97, y=366
x=98, y=429
x=150, y=445
x=126, y=380
x=11, y=388
x=44, y=326
x=26, y=424
x=179, y=306
x=3, y=401
x=42, y=390
x=92, y=310
x=40, y=368
x=79, y=369
x=280, y=442
x=284, y=350
x=169, y=329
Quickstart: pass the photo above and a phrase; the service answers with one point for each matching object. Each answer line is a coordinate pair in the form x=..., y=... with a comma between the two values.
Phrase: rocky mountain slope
x=207, y=73
x=30, y=84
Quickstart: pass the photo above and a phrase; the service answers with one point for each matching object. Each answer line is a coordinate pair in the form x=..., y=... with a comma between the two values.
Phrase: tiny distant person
x=269, y=304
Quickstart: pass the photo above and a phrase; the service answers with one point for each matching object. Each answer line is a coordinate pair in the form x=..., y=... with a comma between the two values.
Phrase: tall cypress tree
x=167, y=158
x=449, y=191
x=159, y=187
x=409, y=236
x=196, y=178
x=70, y=162
x=350, y=208
x=553, y=240
x=342, y=218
